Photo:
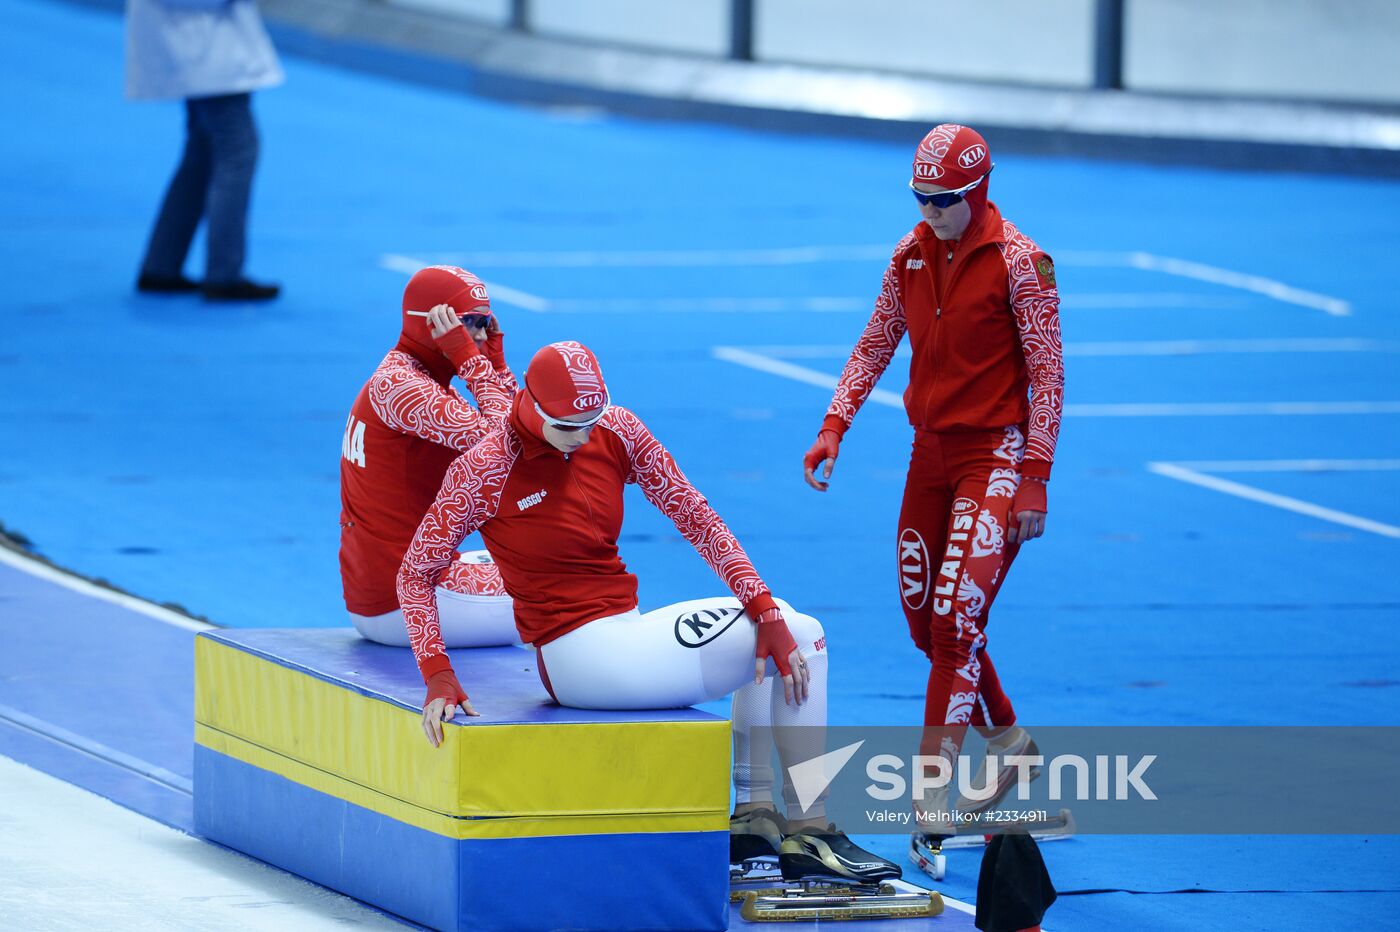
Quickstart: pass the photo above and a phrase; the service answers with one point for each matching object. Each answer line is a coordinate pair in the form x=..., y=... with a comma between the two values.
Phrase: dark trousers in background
x=213, y=181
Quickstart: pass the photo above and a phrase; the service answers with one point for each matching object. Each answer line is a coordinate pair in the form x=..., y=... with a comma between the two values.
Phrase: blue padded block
x=593, y=879
x=663, y=881
x=358, y=852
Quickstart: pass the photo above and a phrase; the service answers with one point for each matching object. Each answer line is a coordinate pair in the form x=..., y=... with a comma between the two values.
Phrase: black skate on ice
x=829, y=855
x=811, y=875
x=755, y=837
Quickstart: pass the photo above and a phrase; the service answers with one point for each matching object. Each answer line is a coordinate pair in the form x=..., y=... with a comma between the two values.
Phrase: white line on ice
x=1127, y=348
x=798, y=255
x=502, y=293
x=1199, y=271
x=668, y=258
x=1298, y=506
x=1317, y=465
x=42, y=570
x=797, y=373
x=1232, y=408
x=778, y=367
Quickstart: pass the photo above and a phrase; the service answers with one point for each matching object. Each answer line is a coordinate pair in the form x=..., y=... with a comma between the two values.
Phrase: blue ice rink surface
x=188, y=453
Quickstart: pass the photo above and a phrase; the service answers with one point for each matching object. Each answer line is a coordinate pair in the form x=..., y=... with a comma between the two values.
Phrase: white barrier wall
x=1311, y=49
x=493, y=12
x=697, y=26
x=1026, y=41
x=1290, y=49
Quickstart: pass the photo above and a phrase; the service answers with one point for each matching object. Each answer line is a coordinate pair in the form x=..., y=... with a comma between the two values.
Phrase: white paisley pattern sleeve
x=876, y=346
x=1035, y=300
x=469, y=497
x=655, y=472
x=506, y=380
x=406, y=399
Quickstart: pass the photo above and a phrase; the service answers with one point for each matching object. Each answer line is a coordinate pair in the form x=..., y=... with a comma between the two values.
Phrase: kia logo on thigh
x=696, y=629
x=913, y=569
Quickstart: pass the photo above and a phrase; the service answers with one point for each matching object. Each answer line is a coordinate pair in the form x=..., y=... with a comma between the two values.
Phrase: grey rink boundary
x=454, y=53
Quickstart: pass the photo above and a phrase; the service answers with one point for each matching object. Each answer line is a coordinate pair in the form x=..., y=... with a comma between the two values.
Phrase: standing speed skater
x=978, y=300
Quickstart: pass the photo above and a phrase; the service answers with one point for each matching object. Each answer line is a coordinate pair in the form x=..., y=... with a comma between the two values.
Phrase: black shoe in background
x=166, y=284
x=241, y=290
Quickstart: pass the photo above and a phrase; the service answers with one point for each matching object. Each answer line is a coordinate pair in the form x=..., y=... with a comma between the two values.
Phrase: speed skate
x=768, y=896
x=926, y=850
x=814, y=874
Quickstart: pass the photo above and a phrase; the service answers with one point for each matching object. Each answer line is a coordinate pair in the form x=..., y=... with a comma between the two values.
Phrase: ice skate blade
x=800, y=906
x=776, y=886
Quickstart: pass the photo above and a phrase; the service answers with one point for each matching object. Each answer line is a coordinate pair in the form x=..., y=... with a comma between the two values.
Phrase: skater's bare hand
x=797, y=685
x=442, y=319
x=439, y=711
x=1028, y=510
x=1028, y=526
x=445, y=697
x=822, y=455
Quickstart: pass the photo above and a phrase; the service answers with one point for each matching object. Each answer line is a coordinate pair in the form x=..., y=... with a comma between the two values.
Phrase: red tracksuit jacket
x=551, y=522
x=405, y=428
x=983, y=319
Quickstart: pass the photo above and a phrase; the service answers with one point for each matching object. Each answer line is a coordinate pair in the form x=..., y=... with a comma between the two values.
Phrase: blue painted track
x=189, y=453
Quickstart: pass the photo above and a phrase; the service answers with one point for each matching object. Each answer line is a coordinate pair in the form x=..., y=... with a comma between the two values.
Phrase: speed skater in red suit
x=546, y=493
x=979, y=302
x=406, y=426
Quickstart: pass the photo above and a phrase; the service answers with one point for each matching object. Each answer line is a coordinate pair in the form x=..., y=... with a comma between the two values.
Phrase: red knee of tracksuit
x=984, y=398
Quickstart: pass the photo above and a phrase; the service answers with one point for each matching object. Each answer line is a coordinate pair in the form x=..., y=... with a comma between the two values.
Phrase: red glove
x=1030, y=496
x=826, y=449
x=496, y=349
x=457, y=345
x=443, y=685
x=775, y=640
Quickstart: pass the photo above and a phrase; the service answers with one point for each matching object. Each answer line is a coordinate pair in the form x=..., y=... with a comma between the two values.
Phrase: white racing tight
x=695, y=652
x=473, y=609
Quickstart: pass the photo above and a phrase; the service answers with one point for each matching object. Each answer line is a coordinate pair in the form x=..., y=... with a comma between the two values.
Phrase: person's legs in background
x=183, y=205
x=227, y=122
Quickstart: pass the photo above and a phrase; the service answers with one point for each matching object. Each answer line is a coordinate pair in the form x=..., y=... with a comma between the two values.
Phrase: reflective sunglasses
x=570, y=427
x=945, y=199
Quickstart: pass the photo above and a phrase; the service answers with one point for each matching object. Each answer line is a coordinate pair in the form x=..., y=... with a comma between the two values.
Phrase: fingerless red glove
x=496, y=349
x=827, y=446
x=443, y=685
x=1030, y=496
x=457, y=345
x=775, y=640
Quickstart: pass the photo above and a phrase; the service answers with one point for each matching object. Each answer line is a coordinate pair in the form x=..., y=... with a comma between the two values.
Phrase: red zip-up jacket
x=982, y=313
x=405, y=428
x=551, y=522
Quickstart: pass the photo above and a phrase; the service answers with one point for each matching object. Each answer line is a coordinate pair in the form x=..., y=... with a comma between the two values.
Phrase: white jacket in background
x=197, y=48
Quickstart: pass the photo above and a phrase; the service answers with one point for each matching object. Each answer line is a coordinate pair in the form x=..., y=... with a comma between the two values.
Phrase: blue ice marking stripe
x=98, y=750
